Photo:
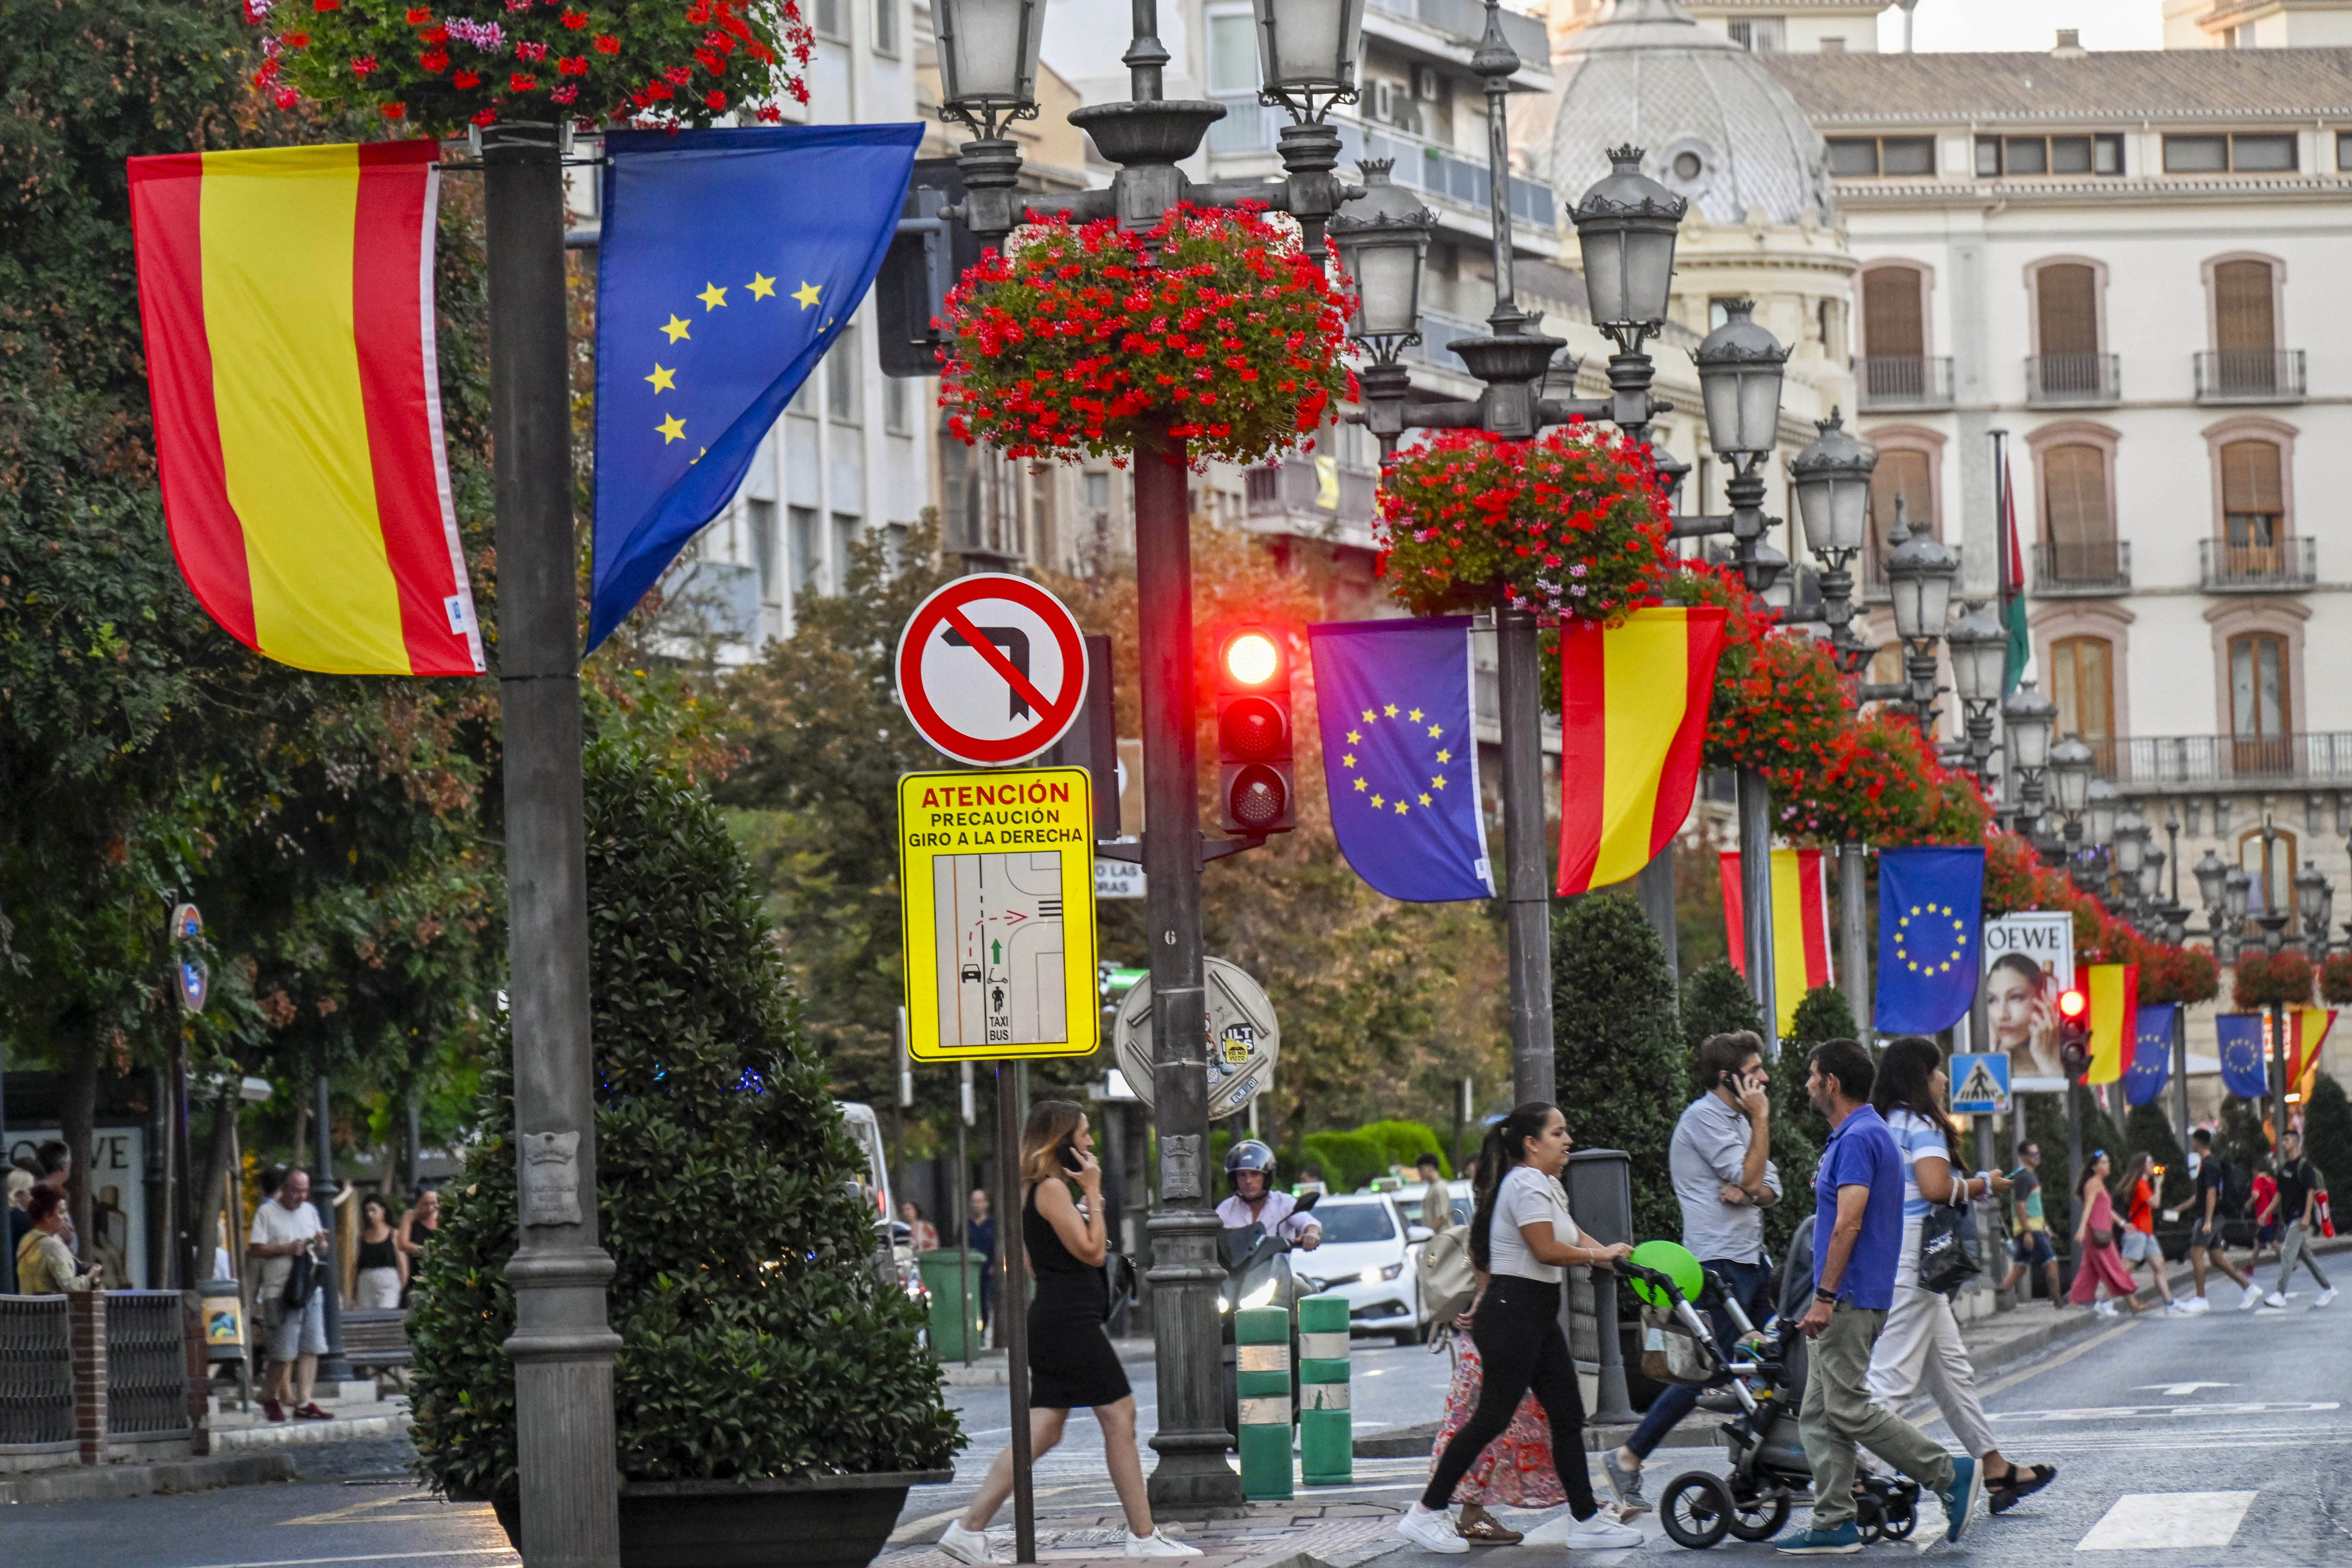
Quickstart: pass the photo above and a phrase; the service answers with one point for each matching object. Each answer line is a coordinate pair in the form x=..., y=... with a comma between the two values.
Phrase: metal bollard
x=1327, y=1444
x=1262, y=1373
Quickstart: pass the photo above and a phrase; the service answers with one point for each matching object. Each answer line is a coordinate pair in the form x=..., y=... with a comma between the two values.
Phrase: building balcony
x=2081, y=568
x=1459, y=25
x=1438, y=332
x=2208, y=761
x=2250, y=375
x=1312, y=495
x=2071, y=380
x=1455, y=186
x=1895, y=384
x=2288, y=567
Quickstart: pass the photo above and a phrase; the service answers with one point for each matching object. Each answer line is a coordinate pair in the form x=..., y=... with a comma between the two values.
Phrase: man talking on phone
x=1249, y=1171
x=1723, y=1179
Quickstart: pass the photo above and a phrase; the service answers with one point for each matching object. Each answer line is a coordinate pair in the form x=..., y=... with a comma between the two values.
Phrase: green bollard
x=1327, y=1444
x=1262, y=1372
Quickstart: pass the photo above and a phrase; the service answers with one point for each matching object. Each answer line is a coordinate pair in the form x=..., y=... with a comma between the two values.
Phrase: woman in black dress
x=1071, y=1362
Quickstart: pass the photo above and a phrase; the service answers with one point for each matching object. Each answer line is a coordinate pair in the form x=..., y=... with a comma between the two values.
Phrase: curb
x=258, y=1439
x=85, y=1483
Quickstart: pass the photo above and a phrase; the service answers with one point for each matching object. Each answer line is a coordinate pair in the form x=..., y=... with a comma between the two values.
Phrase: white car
x=1366, y=1255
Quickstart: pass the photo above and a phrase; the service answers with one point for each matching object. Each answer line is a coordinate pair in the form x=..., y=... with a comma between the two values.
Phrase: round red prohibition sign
x=991, y=668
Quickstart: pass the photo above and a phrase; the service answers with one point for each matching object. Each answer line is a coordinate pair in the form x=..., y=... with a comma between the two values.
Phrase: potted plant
x=1571, y=524
x=1213, y=331
x=772, y=1397
x=440, y=66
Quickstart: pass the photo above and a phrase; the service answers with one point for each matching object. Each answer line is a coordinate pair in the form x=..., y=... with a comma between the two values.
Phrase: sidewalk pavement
x=1305, y=1532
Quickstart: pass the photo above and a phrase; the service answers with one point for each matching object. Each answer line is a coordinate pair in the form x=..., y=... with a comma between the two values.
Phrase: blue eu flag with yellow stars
x=729, y=262
x=2151, y=1062
x=1400, y=757
x=1930, y=927
x=2245, y=1064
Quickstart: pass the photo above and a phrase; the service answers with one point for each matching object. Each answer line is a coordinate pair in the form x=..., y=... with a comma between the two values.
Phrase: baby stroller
x=1769, y=1470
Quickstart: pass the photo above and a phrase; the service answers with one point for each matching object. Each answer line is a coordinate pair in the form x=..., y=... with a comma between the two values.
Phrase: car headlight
x=1260, y=1297
x=1392, y=1271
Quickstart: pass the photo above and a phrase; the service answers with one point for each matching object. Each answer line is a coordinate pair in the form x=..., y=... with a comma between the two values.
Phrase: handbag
x=1121, y=1281
x=1447, y=1283
x=1944, y=1262
x=301, y=1281
x=1671, y=1353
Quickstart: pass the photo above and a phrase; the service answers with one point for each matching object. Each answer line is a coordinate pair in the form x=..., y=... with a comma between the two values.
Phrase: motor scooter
x=1257, y=1274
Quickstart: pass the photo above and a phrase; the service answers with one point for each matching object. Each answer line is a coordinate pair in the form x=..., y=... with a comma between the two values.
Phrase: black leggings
x=1517, y=1331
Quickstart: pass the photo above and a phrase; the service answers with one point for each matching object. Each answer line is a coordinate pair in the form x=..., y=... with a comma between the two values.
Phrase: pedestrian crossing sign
x=997, y=900
x=1979, y=1084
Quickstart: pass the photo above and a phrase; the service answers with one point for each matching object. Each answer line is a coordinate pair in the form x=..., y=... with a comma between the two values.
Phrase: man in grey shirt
x=1722, y=1165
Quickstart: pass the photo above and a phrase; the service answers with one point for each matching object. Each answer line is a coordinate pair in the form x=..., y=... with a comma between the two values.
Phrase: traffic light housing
x=2074, y=1032
x=1256, y=791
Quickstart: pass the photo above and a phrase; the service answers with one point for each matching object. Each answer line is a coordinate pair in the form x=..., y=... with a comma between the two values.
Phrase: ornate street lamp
x=2100, y=812
x=2026, y=719
x=2131, y=848
x=2314, y=901
x=2070, y=763
x=1626, y=229
x=1383, y=239
x=1979, y=645
x=2237, y=889
x=2210, y=873
x=1830, y=477
x=1919, y=572
x=1306, y=50
x=988, y=62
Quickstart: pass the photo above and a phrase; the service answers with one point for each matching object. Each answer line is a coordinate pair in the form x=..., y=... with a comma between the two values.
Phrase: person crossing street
x=2205, y=1243
x=2294, y=1209
x=2030, y=1248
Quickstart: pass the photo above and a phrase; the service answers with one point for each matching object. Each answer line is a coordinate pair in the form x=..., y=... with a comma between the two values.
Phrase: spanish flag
x=286, y=297
x=2307, y=1031
x=2114, y=992
x=1800, y=926
x=1633, y=702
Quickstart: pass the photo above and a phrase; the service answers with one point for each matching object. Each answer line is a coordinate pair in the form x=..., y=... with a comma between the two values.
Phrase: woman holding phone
x=1071, y=1362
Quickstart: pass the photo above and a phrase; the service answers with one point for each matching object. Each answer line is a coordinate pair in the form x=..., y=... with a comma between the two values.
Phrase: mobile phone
x=1067, y=1151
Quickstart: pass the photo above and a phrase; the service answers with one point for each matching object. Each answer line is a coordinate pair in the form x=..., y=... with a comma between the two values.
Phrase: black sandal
x=2022, y=1481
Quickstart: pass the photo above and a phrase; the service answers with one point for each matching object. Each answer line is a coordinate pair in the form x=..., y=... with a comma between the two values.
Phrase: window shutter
x=2075, y=497
x=2250, y=478
x=2067, y=296
x=2242, y=319
x=1892, y=327
x=2084, y=689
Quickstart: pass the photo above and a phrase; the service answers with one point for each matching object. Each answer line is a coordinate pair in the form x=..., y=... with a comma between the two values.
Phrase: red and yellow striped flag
x=2307, y=1031
x=1633, y=702
x=2113, y=990
x=1800, y=926
x=286, y=297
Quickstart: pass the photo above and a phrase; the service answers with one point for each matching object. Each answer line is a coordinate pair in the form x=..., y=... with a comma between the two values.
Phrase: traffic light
x=2074, y=1032
x=1254, y=788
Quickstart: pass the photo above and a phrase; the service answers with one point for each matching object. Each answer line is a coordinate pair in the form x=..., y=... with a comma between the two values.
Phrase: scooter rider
x=1249, y=1170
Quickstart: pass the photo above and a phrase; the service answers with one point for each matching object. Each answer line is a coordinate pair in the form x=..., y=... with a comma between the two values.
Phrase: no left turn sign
x=991, y=668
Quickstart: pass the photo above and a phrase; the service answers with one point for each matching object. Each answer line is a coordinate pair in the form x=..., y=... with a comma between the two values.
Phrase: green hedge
x=1622, y=1068
x=1404, y=1142
x=1350, y=1160
x=757, y=1337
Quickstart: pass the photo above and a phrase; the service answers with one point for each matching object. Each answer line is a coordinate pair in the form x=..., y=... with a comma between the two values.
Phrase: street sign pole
x=1192, y=1479
x=1012, y=1308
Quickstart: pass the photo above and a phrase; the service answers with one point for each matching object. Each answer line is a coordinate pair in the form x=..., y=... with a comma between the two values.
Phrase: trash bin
x=954, y=1316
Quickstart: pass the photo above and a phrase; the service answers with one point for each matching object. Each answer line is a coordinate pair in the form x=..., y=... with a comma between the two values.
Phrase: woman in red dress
x=2098, y=1262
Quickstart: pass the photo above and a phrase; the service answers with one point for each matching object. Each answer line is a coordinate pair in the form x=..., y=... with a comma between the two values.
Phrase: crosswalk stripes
x=2141, y=1521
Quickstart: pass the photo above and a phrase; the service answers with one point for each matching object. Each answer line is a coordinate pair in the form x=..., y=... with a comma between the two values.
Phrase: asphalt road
x=2217, y=1442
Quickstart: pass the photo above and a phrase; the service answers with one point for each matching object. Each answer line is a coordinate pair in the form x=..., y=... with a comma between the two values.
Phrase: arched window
x=2069, y=366
x=2262, y=704
x=2254, y=504
x=2078, y=515
x=2082, y=683
x=2245, y=322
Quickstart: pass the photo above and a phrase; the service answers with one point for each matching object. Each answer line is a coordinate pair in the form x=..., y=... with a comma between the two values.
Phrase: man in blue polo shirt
x=1857, y=1238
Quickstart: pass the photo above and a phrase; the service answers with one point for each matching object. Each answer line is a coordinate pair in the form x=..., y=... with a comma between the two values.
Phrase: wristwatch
x=1828, y=1298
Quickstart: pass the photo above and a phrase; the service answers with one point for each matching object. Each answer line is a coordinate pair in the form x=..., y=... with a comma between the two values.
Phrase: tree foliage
x=1622, y=1068
x=2328, y=1133
x=758, y=1338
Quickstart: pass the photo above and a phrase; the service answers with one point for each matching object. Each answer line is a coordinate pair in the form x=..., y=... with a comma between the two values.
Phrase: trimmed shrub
x=1715, y=1001
x=1622, y=1073
x=1403, y=1142
x=2327, y=1134
x=1350, y=1160
x=757, y=1337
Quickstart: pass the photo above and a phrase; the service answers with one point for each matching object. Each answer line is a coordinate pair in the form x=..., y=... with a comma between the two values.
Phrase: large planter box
x=810, y=1521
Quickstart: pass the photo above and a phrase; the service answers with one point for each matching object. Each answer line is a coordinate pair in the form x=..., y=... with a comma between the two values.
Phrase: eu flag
x=1930, y=925
x=2151, y=1052
x=1401, y=756
x=730, y=260
x=2245, y=1066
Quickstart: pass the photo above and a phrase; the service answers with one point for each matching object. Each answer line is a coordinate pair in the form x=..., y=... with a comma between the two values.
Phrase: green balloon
x=1674, y=1260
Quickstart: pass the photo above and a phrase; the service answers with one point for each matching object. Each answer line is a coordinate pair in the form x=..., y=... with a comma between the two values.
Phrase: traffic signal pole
x=1526, y=866
x=1192, y=1479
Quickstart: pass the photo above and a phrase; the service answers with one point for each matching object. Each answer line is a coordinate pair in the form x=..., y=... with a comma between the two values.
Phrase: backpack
x=1447, y=1284
x=2237, y=1193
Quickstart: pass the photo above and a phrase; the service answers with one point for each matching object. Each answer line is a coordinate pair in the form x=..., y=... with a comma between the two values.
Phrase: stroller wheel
x=1869, y=1518
x=1697, y=1509
x=1754, y=1518
x=1901, y=1519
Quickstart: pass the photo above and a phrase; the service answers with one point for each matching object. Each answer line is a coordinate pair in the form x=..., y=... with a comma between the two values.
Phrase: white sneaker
x=968, y=1545
x=2274, y=1300
x=2251, y=1300
x=1431, y=1529
x=1601, y=1534
x=2196, y=1304
x=1158, y=1543
x=2107, y=1310
x=2324, y=1297
x=2179, y=1310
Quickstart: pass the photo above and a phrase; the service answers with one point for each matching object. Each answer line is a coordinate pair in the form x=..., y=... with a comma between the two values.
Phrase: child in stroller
x=1769, y=1472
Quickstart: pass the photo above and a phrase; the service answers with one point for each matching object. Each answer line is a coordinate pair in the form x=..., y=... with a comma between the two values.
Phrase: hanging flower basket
x=2262, y=978
x=438, y=67
x=2336, y=979
x=1080, y=341
x=1573, y=523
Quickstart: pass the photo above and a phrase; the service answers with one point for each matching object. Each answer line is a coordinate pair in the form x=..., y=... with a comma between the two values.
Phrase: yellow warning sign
x=997, y=898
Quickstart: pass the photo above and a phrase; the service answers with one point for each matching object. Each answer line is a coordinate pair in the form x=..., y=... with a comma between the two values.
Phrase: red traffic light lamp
x=1256, y=790
x=2072, y=1004
x=2074, y=1032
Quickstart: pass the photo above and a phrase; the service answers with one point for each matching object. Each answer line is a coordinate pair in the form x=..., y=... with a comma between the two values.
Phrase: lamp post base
x=1192, y=1479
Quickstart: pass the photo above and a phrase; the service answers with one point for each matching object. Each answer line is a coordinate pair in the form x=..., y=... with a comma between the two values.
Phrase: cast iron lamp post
x=2314, y=901
x=1626, y=226
x=1979, y=653
x=988, y=65
x=2026, y=719
x=2069, y=764
x=1919, y=572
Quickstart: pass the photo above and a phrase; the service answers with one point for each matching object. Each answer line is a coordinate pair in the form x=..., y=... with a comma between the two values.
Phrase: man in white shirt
x=286, y=1227
x=1249, y=1167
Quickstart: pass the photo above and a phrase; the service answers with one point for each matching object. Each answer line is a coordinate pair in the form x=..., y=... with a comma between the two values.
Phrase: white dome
x=1717, y=128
